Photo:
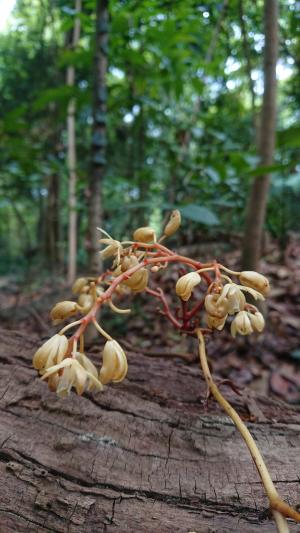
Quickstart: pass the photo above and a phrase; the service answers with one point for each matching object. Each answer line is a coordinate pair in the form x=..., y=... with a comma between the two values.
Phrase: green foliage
x=180, y=121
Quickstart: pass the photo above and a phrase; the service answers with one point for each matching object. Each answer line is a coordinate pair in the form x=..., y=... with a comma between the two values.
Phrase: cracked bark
x=142, y=456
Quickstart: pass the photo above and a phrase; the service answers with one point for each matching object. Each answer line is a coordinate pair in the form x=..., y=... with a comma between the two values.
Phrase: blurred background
x=115, y=112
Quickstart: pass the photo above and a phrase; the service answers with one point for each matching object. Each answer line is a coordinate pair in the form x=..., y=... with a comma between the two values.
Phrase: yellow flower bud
x=129, y=262
x=138, y=281
x=232, y=294
x=63, y=310
x=214, y=307
x=86, y=302
x=186, y=284
x=117, y=272
x=173, y=224
x=113, y=249
x=241, y=324
x=87, y=364
x=256, y=281
x=51, y=352
x=78, y=285
x=257, y=321
x=145, y=234
x=216, y=323
x=114, y=367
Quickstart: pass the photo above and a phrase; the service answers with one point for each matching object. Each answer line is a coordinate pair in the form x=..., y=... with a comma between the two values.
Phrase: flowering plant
x=207, y=291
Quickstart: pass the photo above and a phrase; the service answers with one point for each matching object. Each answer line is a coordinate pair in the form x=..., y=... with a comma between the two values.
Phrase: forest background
x=174, y=123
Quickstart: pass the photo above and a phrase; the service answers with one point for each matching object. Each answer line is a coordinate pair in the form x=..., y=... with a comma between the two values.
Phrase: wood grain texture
x=143, y=456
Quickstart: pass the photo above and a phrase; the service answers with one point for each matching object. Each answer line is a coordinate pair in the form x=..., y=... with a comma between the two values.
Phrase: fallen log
x=143, y=456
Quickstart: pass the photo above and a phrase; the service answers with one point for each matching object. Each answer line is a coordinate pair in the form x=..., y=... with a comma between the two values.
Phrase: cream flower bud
x=51, y=352
x=186, y=284
x=114, y=367
x=112, y=249
x=78, y=285
x=87, y=364
x=129, y=262
x=86, y=302
x=138, y=281
x=232, y=294
x=256, y=281
x=145, y=234
x=216, y=323
x=117, y=272
x=214, y=307
x=63, y=310
x=257, y=321
x=241, y=324
x=173, y=224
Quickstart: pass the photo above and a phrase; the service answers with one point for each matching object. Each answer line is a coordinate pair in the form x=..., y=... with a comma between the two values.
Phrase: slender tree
x=98, y=159
x=256, y=209
x=71, y=155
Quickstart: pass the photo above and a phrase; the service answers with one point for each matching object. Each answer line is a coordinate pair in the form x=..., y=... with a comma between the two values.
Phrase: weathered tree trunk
x=141, y=456
x=98, y=160
x=256, y=208
x=71, y=157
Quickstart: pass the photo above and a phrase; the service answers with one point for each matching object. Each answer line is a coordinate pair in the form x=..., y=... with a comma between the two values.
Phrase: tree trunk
x=52, y=251
x=143, y=455
x=257, y=203
x=71, y=157
x=98, y=159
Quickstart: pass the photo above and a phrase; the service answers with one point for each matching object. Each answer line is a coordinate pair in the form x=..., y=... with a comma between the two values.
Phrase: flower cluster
x=62, y=362
x=63, y=370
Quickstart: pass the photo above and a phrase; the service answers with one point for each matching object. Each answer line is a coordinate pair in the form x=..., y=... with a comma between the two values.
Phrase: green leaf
x=289, y=138
x=267, y=169
x=199, y=213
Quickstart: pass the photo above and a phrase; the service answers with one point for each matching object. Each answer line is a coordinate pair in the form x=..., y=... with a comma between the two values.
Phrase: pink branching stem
x=184, y=316
x=195, y=309
x=167, y=257
x=166, y=309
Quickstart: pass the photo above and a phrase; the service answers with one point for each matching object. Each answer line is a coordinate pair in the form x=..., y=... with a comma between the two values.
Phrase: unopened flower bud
x=63, y=310
x=255, y=281
x=86, y=302
x=257, y=321
x=129, y=262
x=114, y=367
x=241, y=324
x=78, y=285
x=145, y=234
x=214, y=307
x=138, y=281
x=51, y=352
x=186, y=284
x=117, y=272
x=214, y=322
x=87, y=364
x=173, y=224
x=113, y=249
x=232, y=294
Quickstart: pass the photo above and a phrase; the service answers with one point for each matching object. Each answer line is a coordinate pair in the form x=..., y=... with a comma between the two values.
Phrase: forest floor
x=268, y=363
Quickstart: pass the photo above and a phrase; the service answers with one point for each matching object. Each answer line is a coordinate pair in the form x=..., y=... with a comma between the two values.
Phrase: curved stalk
x=279, y=508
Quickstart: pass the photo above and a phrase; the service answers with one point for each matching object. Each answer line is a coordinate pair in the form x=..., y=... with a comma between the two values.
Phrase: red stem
x=167, y=311
x=172, y=257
